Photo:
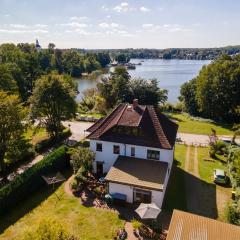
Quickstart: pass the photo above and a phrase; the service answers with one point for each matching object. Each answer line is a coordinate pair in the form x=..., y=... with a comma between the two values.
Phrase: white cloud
x=22, y=31
x=74, y=24
x=104, y=8
x=41, y=25
x=18, y=26
x=147, y=25
x=165, y=27
x=179, y=29
x=108, y=25
x=76, y=18
x=122, y=7
x=144, y=9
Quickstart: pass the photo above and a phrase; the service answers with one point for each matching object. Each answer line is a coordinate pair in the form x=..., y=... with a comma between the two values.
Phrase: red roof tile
x=156, y=129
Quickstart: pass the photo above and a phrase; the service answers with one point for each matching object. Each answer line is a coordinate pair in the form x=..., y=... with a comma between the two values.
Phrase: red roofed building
x=134, y=146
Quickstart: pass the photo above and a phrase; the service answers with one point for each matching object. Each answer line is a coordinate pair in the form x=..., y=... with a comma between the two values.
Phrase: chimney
x=135, y=103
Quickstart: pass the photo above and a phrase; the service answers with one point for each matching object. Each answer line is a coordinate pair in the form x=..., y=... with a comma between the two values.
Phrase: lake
x=171, y=74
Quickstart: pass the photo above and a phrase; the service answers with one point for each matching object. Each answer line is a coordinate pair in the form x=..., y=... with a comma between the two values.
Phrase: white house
x=134, y=146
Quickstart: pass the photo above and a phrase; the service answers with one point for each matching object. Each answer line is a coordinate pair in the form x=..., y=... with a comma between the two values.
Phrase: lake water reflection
x=171, y=74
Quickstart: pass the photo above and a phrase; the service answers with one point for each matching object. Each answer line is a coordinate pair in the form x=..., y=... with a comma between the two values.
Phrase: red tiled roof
x=156, y=129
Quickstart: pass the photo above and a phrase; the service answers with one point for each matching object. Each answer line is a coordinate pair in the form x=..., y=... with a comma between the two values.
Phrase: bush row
x=45, y=144
x=29, y=181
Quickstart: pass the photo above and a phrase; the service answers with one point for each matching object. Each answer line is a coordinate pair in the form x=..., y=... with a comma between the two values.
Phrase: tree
x=215, y=91
x=188, y=97
x=12, y=116
x=147, y=92
x=115, y=89
x=51, y=46
x=122, y=58
x=53, y=100
x=81, y=157
x=7, y=82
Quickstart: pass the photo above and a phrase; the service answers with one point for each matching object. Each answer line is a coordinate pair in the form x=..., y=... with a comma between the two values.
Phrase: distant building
x=37, y=45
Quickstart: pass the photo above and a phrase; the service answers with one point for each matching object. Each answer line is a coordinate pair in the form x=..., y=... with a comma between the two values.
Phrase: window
x=132, y=151
x=99, y=147
x=151, y=154
x=141, y=196
x=116, y=149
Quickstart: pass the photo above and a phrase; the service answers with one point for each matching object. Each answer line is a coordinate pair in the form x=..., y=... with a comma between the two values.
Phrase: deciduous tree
x=53, y=100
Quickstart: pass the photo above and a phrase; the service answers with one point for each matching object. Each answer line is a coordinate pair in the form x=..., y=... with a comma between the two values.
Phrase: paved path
x=24, y=167
x=78, y=132
x=129, y=229
x=77, y=129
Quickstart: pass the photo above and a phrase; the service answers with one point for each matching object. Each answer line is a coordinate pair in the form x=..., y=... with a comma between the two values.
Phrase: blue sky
x=121, y=24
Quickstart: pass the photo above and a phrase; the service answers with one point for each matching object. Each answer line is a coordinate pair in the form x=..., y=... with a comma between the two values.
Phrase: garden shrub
x=48, y=143
x=31, y=180
x=136, y=224
x=48, y=229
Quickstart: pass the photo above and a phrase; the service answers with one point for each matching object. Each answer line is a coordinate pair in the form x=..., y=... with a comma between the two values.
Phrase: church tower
x=37, y=45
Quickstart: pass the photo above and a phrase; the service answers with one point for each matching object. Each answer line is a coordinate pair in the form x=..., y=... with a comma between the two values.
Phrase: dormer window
x=152, y=154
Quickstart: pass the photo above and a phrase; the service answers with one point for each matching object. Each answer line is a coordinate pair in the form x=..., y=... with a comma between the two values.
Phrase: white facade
x=108, y=157
x=157, y=196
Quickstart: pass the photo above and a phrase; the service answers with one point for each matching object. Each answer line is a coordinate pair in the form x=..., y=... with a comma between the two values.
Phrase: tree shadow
x=31, y=202
x=189, y=193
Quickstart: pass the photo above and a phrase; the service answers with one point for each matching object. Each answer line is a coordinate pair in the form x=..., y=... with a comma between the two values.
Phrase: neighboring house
x=134, y=146
x=186, y=226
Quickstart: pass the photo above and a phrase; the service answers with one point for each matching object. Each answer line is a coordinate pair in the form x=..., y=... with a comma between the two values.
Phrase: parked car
x=220, y=177
x=226, y=140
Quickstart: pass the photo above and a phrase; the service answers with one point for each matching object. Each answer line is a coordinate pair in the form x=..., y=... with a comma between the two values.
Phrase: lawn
x=206, y=167
x=84, y=222
x=190, y=125
x=36, y=135
x=175, y=195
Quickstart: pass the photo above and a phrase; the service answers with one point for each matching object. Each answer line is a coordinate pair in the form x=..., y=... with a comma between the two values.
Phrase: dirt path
x=129, y=229
x=195, y=167
x=67, y=188
x=186, y=166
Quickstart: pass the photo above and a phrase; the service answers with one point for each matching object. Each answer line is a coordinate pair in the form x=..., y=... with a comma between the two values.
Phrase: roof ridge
x=108, y=118
x=140, y=120
x=121, y=113
x=157, y=126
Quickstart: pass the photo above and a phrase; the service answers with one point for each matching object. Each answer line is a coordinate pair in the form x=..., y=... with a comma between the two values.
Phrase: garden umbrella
x=148, y=211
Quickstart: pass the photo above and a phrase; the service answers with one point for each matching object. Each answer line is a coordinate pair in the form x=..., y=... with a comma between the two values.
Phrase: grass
x=175, y=195
x=84, y=222
x=206, y=167
x=190, y=125
x=36, y=135
x=191, y=159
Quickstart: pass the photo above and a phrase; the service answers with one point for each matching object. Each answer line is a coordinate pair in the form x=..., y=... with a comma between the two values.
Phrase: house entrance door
x=99, y=168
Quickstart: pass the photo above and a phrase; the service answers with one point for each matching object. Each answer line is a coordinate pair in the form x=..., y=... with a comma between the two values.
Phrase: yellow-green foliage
x=48, y=229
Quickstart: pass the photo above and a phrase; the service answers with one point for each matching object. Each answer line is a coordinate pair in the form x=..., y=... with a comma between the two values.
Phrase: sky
x=95, y=24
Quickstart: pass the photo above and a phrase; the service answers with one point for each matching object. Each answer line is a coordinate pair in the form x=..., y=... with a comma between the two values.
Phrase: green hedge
x=31, y=180
x=48, y=143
